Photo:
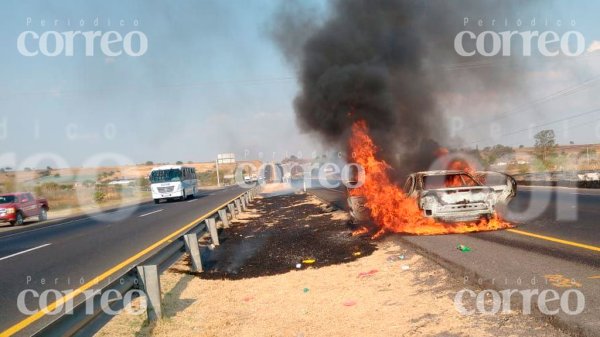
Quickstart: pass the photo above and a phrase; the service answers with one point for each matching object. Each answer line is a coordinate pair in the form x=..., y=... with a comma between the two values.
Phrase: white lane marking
x=143, y=215
x=192, y=200
x=25, y=251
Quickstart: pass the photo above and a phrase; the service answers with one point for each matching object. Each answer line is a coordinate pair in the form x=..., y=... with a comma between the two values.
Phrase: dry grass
x=337, y=302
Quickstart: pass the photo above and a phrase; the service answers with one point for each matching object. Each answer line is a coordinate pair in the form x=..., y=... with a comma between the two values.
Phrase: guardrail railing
x=89, y=315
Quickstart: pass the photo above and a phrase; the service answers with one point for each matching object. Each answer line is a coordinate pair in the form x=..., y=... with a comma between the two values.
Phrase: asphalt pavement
x=64, y=254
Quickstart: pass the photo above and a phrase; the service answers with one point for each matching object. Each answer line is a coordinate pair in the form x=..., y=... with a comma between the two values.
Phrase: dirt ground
x=386, y=290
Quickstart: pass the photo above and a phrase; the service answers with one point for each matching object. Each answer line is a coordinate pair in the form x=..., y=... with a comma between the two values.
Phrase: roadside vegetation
x=72, y=189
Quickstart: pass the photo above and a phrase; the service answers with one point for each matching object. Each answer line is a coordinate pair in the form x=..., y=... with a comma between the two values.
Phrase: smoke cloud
x=388, y=62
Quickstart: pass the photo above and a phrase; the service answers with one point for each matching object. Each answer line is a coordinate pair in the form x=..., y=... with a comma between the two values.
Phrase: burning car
x=450, y=196
x=505, y=186
x=447, y=196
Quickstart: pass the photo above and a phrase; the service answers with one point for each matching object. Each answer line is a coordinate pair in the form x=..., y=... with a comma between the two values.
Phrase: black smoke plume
x=383, y=61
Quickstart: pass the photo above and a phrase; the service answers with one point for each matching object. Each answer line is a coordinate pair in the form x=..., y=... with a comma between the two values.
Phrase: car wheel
x=19, y=220
x=156, y=201
x=43, y=215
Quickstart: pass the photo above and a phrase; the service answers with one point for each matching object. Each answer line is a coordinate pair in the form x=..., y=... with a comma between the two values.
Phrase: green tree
x=545, y=147
x=179, y=162
x=498, y=151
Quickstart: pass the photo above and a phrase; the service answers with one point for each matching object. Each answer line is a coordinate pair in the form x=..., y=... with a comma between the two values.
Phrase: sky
x=210, y=82
x=213, y=81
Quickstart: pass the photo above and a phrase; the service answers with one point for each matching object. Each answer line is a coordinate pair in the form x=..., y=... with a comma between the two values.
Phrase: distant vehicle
x=451, y=196
x=16, y=207
x=505, y=186
x=173, y=182
x=250, y=178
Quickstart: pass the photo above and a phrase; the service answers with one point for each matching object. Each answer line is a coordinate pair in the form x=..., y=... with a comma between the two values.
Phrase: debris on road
x=395, y=258
x=368, y=273
x=349, y=303
x=308, y=261
x=463, y=248
x=405, y=267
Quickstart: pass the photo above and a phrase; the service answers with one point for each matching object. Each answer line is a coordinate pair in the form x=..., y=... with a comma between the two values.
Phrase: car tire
x=19, y=219
x=43, y=215
x=156, y=201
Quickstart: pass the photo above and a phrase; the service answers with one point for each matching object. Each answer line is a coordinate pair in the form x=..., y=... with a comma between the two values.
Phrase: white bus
x=173, y=182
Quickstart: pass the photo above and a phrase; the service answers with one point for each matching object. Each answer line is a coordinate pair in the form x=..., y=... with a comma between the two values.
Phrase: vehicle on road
x=447, y=196
x=450, y=196
x=16, y=207
x=173, y=182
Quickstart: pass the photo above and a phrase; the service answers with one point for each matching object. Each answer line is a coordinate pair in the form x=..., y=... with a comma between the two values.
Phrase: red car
x=16, y=207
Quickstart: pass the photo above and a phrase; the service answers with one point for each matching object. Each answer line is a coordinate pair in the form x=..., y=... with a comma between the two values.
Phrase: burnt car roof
x=441, y=172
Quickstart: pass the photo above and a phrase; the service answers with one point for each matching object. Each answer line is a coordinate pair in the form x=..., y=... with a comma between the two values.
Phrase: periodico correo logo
x=549, y=38
x=68, y=37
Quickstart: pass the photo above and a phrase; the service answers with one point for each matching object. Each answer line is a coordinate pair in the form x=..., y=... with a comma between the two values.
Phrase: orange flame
x=392, y=210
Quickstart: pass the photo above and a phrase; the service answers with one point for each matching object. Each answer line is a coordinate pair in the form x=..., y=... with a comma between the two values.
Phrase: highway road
x=63, y=254
x=556, y=245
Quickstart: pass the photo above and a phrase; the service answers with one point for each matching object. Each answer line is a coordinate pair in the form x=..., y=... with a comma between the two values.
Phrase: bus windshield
x=165, y=176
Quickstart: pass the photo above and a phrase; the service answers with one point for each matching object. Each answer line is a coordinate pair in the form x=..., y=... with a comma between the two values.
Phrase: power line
x=524, y=107
x=539, y=125
x=258, y=81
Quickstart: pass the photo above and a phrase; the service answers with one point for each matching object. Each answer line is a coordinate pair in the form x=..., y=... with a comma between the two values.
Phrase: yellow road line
x=557, y=240
x=41, y=313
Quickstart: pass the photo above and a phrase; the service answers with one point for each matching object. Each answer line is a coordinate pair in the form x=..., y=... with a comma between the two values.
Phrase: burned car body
x=450, y=196
x=505, y=186
x=358, y=211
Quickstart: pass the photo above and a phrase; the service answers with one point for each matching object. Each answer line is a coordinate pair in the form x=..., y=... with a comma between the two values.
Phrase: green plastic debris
x=463, y=248
x=305, y=290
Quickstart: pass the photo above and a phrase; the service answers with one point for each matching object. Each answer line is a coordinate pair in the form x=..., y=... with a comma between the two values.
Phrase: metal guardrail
x=145, y=276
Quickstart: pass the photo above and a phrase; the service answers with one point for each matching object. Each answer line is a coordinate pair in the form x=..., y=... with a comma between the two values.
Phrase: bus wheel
x=156, y=201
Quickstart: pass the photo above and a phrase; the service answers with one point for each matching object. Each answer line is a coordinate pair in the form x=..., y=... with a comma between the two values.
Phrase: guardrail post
x=191, y=245
x=243, y=201
x=150, y=281
x=223, y=217
x=212, y=228
x=231, y=208
x=238, y=206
